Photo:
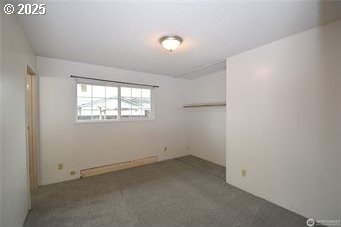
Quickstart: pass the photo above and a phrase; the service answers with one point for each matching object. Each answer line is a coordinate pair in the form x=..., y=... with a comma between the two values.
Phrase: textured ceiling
x=124, y=34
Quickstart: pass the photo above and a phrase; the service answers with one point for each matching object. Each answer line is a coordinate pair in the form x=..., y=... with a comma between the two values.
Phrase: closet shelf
x=207, y=104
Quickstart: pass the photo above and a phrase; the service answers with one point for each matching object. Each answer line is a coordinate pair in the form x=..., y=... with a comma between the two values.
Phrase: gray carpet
x=187, y=191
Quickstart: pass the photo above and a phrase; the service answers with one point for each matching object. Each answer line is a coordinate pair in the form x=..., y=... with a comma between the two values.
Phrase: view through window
x=109, y=102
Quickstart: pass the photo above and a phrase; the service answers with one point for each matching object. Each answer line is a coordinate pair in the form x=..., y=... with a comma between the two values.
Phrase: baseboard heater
x=117, y=166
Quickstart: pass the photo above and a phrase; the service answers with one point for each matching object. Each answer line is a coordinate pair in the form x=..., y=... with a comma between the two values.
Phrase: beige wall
x=16, y=55
x=207, y=125
x=282, y=118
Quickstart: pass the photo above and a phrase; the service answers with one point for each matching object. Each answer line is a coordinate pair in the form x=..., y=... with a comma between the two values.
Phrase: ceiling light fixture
x=170, y=42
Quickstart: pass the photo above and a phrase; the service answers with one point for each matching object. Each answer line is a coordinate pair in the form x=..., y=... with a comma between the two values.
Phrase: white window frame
x=119, y=119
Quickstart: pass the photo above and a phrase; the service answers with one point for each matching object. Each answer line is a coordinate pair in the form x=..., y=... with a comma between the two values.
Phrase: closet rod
x=194, y=105
x=114, y=81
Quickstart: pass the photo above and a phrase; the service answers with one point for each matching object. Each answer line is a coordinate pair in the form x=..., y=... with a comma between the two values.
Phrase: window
x=135, y=102
x=113, y=102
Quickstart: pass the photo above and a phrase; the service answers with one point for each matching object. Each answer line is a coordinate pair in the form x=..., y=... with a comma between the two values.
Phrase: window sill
x=115, y=120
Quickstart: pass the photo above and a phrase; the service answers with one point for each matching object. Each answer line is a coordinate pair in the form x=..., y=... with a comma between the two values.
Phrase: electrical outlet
x=60, y=166
x=73, y=173
x=165, y=149
x=244, y=172
x=187, y=148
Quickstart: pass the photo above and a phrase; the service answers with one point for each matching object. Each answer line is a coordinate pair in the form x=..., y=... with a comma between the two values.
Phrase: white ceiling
x=124, y=34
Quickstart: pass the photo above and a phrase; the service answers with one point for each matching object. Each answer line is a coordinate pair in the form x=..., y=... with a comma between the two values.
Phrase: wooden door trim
x=32, y=131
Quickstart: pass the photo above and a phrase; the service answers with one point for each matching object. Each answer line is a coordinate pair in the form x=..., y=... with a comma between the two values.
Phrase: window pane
x=136, y=92
x=125, y=108
x=138, y=102
x=98, y=108
x=146, y=112
x=126, y=102
x=146, y=107
x=125, y=92
x=111, y=114
x=111, y=108
x=98, y=91
x=111, y=105
x=84, y=108
x=146, y=93
x=83, y=90
x=98, y=103
x=146, y=103
x=111, y=92
x=136, y=111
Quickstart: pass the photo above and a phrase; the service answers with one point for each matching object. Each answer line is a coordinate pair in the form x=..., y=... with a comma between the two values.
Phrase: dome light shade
x=170, y=42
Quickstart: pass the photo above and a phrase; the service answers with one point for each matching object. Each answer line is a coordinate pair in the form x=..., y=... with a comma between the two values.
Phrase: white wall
x=1, y=107
x=16, y=55
x=281, y=121
x=207, y=125
x=84, y=145
x=338, y=84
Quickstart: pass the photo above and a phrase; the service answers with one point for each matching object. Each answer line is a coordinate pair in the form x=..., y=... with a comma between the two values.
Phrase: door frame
x=31, y=129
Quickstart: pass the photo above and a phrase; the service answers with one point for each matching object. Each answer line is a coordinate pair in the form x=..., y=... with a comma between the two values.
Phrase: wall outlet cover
x=244, y=172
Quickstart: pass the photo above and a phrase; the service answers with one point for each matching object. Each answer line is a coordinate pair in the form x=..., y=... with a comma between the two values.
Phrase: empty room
x=170, y=113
